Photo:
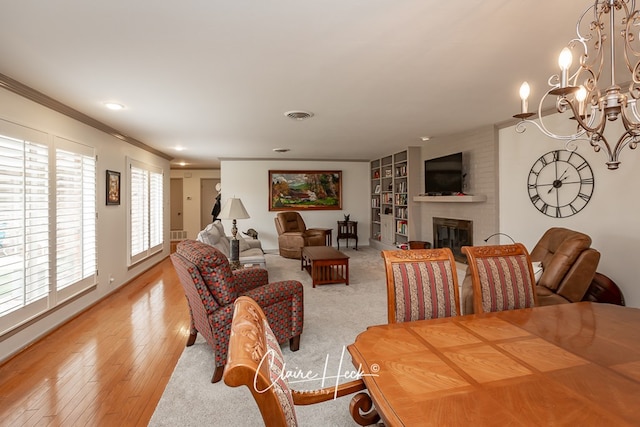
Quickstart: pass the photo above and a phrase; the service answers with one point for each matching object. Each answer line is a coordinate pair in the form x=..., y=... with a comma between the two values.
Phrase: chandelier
x=577, y=90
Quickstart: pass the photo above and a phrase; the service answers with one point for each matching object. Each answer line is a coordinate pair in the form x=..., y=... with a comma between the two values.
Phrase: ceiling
x=216, y=77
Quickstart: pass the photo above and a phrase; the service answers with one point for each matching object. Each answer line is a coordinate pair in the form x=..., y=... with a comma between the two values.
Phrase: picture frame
x=113, y=187
x=305, y=190
x=377, y=190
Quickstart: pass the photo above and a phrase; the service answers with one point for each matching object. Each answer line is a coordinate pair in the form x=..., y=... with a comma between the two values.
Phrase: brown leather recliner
x=293, y=234
x=569, y=264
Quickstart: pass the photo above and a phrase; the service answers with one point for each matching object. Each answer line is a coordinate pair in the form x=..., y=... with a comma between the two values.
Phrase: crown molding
x=42, y=99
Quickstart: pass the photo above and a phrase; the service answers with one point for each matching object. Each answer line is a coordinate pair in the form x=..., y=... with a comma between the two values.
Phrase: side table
x=347, y=230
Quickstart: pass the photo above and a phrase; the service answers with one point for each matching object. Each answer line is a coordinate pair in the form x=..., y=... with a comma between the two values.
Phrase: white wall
x=249, y=181
x=191, y=196
x=610, y=217
x=480, y=155
x=112, y=239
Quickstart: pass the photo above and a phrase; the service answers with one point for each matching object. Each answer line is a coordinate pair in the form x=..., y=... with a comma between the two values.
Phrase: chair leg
x=192, y=338
x=217, y=374
x=294, y=343
x=362, y=410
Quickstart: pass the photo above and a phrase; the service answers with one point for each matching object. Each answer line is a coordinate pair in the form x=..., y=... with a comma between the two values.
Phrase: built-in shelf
x=467, y=198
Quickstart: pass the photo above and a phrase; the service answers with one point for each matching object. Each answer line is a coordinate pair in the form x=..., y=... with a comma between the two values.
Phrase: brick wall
x=480, y=162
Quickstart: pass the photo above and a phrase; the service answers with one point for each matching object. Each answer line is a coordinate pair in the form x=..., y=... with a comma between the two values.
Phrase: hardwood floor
x=108, y=366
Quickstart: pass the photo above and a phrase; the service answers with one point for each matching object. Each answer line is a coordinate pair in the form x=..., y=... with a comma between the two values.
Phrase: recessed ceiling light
x=425, y=138
x=114, y=106
x=281, y=150
x=298, y=115
x=182, y=164
x=179, y=148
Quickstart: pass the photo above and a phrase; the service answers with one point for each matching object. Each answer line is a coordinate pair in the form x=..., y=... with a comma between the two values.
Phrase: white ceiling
x=216, y=77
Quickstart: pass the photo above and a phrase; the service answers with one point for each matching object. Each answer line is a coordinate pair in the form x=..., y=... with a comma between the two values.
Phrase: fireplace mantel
x=467, y=198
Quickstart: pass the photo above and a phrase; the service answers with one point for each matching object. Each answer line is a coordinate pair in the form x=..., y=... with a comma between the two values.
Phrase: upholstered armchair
x=568, y=265
x=211, y=288
x=421, y=284
x=293, y=234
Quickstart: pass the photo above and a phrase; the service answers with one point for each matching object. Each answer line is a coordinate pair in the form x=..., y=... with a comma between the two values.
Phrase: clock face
x=560, y=183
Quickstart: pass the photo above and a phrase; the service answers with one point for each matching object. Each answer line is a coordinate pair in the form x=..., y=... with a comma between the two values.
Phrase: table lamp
x=234, y=209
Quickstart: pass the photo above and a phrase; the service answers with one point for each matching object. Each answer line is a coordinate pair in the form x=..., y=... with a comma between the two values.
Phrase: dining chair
x=256, y=361
x=502, y=277
x=421, y=284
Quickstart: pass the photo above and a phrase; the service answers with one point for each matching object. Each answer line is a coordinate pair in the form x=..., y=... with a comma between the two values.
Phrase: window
x=75, y=217
x=146, y=211
x=47, y=244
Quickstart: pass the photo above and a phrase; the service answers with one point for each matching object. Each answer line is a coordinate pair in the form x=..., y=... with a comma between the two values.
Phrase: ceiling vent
x=298, y=115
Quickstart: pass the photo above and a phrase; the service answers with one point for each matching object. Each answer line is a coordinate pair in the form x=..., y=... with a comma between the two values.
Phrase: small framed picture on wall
x=113, y=188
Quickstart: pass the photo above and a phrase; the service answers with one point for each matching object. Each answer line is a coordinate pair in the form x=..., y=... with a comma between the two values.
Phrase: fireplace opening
x=453, y=234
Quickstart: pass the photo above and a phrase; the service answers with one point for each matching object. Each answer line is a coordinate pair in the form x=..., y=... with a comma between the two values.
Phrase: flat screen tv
x=443, y=175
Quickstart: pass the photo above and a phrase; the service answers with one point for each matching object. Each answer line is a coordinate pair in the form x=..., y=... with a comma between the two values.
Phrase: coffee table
x=325, y=265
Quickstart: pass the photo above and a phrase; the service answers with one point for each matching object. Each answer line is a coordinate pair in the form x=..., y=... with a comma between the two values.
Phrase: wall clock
x=560, y=183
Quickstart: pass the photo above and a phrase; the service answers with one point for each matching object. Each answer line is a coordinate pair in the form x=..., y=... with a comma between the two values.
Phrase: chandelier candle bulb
x=581, y=96
x=564, y=61
x=524, y=95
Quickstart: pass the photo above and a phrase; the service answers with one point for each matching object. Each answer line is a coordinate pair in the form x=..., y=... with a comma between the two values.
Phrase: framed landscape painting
x=305, y=190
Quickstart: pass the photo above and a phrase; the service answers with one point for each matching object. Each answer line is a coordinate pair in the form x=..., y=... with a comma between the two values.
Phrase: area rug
x=334, y=315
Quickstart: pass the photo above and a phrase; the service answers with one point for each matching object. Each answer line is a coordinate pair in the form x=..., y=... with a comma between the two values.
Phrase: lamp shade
x=233, y=209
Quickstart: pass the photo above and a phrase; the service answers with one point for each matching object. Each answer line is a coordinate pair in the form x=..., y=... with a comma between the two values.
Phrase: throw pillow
x=223, y=246
x=244, y=246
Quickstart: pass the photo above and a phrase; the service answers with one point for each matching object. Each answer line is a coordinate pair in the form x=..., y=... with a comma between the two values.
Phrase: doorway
x=175, y=196
x=208, y=195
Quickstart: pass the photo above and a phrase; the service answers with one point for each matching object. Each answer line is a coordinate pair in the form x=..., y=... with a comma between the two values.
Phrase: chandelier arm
x=628, y=138
x=571, y=145
x=595, y=134
x=521, y=126
x=587, y=126
x=634, y=109
x=540, y=124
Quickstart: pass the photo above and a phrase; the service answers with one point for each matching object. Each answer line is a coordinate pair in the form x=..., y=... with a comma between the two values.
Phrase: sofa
x=251, y=252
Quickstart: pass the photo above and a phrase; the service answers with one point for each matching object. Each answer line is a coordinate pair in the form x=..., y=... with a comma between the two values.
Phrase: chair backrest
x=214, y=268
x=289, y=222
x=421, y=284
x=558, y=249
x=569, y=263
x=502, y=277
x=255, y=360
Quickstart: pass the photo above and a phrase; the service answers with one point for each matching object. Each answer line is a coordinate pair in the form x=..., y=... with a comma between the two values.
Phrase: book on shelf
x=401, y=199
x=401, y=227
x=401, y=170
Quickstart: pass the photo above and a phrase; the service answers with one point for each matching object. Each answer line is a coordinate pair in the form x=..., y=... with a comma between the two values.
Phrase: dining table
x=560, y=365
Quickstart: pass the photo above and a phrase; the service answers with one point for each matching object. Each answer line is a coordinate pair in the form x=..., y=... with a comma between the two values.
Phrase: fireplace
x=453, y=234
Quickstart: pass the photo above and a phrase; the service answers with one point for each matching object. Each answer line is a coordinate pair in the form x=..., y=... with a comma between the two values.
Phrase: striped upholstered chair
x=211, y=288
x=421, y=284
x=502, y=277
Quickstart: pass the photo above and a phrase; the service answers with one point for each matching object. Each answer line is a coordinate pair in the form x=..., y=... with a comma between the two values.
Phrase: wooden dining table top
x=569, y=364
